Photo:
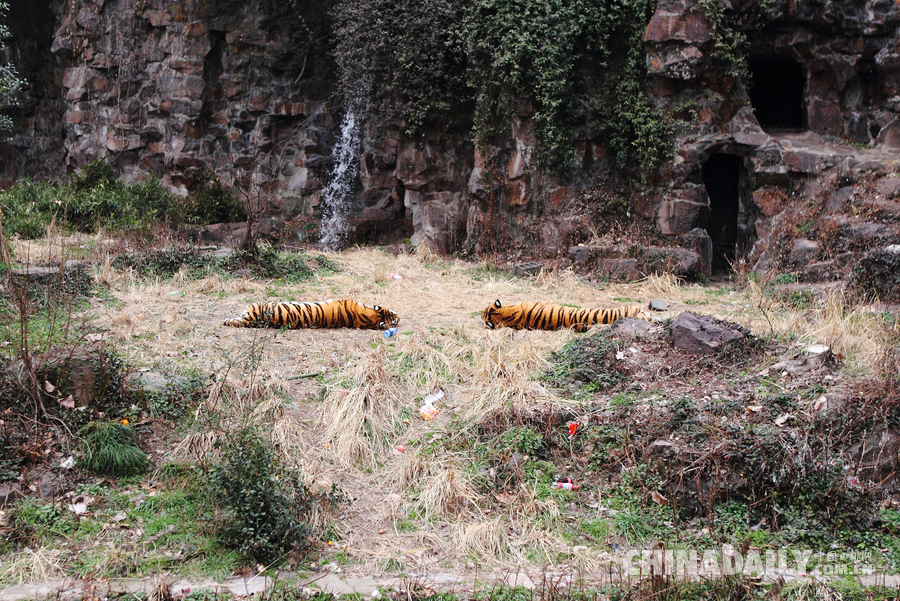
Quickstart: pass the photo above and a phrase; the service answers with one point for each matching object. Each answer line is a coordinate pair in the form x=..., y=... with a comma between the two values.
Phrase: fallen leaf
x=93, y=337
x=505, y=497
x=753, y=408
x=658, y=498
x=50, y=388
x=68, y=402
x=781, y=419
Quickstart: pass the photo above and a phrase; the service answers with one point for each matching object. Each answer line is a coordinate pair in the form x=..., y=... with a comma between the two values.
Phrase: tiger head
x=492, y=315
x=386, y=317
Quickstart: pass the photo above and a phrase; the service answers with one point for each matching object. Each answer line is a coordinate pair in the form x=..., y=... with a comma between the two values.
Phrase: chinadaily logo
x=754, y=563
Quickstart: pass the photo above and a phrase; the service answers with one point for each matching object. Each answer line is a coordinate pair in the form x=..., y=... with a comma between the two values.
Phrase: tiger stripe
x=330, y=314
x=542, y=316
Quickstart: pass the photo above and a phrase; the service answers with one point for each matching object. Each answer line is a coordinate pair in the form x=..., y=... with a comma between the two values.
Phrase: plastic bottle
x=396, y=276
x=390, y=332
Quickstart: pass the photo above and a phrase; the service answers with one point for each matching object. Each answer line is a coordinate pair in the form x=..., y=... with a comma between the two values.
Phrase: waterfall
x=336, y=197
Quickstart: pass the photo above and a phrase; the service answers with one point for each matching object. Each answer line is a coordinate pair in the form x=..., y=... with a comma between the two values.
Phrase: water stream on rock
x=336, y=196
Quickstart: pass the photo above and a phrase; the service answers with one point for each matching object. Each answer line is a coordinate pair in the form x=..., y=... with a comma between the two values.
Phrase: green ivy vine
x=729, y=31
x=496, y=59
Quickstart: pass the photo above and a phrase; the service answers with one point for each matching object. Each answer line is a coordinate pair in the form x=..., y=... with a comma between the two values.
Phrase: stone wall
x=245, y=89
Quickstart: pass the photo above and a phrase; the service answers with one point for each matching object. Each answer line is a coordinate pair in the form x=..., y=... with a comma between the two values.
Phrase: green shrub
x=164, y=263
x=93, y=199
x=211, y=202
x=110, y=449
x=29, y=207
x=265, y=508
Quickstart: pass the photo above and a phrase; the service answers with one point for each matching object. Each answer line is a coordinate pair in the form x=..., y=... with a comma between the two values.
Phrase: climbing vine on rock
x=729, y=31
x=543, y=59
x=10, y=84
x=398, y=58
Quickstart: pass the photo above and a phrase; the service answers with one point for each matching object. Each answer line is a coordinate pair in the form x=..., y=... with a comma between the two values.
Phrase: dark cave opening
x=722, y=177
x=776, y=93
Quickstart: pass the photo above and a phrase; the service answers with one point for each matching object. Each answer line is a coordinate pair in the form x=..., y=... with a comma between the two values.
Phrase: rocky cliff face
x=244, y=89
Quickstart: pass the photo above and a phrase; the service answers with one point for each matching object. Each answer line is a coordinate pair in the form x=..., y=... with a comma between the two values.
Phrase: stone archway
x=776, y=93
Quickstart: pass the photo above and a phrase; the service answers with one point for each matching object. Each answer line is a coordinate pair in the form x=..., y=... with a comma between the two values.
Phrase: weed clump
x=264, y=509
x=111, y=449
x=584, y=365
x=164, y=263
x=266, y=262
x=263, y=262
x=878, y=275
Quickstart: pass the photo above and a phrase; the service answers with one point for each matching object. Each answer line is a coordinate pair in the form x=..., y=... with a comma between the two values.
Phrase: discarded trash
x=564, y=484
x=176, y=293
x=573, y=427
x=396, y=276
x=390, y=332
x=400, y=448
x=434, y=397
x=428, y=410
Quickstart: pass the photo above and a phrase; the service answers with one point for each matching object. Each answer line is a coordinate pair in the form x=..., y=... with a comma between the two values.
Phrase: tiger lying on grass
x=330, y=314
x=540, y=316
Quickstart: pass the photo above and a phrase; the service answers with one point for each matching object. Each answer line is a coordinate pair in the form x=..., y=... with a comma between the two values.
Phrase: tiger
x=541, y=316
x=328, y=314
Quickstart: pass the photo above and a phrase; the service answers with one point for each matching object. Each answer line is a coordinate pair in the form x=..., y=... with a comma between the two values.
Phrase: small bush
x=94, y=198
x=265, y=508
x=164, y=263
x=878, y=275
x=110, y=449
x=211, y=202
x=29, y=207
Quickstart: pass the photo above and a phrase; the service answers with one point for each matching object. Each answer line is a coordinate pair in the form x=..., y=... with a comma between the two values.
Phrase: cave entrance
x=776, y=93
x=722, y=177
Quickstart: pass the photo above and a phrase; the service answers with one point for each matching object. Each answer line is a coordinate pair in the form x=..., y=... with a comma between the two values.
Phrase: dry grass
x=343, y=428
x=485, y=540
x=38, y=565
x=360, y=414
x=856, y=332
x=446, y=491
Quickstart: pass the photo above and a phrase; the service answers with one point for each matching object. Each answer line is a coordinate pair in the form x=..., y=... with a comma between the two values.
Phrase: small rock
x=10, y=492
x=701, y=335
x=803, y=251
x=658, y=305
x=519, y=579
x=528, y=269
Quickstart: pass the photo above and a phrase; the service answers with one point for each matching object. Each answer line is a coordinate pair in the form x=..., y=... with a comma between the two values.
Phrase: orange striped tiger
x=540, y=316
x=330, y=314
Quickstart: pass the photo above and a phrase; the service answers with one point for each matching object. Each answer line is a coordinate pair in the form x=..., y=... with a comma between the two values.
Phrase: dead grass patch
x=360, y=413
x=445, y=491
x=485, y=541
x=32, y=565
